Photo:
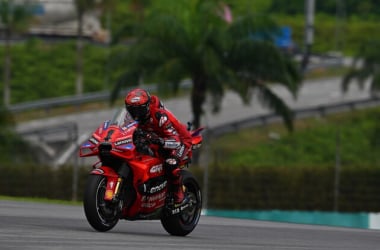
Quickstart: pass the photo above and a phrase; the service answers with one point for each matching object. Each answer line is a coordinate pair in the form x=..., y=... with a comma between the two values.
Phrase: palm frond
x=347, y=79
x=253, y=27
x=360, y=75
x=216, y=90
x=369, y=56
x=129, y=78
x=292, y=77
x=170, y=74
x=196, y=43
x=158, y=32
x=272, y=101
x=263, y=62
x=375, y=84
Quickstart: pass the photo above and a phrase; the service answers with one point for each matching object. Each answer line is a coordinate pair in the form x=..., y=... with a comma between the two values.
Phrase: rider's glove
x=156, y=140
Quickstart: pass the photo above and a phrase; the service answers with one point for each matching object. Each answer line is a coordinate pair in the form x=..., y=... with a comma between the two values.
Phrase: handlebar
x=142, y=142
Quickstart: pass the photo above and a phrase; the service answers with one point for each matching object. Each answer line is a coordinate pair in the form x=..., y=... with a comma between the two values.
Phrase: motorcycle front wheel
x=101, y=214
x=185, y=221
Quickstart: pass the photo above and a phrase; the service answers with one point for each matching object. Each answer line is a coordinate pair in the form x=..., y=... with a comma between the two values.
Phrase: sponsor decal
x=152, y=198
x=131, y=124
x=94, y=141
x=180, y=151
x=180, y=209
x=171, y=129
x=121, y=142
x=148, y=205
x=127, y=146
x=106, y=124
x=86, y=144
x=171, y=161
x=156, y=169
x=171, y=144
x=135, y=99
x=162, y=120
x=158, y=188
x=151, y=201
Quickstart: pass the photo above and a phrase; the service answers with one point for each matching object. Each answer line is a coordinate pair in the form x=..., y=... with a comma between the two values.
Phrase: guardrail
x=47, y=104
x=59, y=101
x=298, y=113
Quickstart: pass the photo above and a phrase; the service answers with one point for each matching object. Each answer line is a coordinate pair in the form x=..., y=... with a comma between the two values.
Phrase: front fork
x=112, y=189
x=114, y=180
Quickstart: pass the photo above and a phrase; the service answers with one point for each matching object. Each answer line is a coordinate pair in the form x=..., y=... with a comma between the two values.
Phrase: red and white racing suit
x=176, y=137
x=176, y=142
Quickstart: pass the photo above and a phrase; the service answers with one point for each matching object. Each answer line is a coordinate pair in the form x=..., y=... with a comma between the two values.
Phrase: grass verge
x=40, y=200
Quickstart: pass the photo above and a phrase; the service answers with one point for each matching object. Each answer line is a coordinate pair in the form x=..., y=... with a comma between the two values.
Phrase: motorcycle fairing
x=152, y=186
x=112, y=180
x=197, y=138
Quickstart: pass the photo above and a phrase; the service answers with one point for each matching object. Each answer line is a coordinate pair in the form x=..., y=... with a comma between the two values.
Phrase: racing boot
x=177, y=188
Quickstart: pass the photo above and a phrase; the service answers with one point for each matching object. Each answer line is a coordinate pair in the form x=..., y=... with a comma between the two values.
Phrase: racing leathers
x=174, y=140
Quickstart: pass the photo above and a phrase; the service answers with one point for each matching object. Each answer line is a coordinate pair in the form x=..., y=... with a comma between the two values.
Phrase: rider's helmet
x=137, y=104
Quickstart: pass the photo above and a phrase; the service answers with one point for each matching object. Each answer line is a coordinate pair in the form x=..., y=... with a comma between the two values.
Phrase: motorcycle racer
x=172, y=136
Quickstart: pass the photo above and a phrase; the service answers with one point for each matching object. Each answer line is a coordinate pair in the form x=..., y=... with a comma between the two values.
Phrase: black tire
x=102, y=215
x=183, y=223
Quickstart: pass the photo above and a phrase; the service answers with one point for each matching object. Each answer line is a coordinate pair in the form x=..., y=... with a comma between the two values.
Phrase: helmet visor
x=138, y=113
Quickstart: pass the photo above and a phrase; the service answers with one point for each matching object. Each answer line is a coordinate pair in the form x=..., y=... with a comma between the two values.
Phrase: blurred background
x=288, y=91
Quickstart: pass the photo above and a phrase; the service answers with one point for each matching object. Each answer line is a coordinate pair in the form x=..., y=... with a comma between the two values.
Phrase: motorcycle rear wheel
x=185, y=221
x=102, y=215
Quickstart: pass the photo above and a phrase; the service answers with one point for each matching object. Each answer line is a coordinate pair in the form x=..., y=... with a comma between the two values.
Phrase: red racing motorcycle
x=129, y=182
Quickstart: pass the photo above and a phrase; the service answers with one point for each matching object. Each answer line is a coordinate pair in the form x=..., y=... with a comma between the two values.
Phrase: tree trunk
x=7, y=69
x=79, y=79
x=198, y=97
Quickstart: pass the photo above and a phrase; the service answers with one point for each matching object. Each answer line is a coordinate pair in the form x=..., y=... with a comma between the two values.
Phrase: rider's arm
x=170, y=136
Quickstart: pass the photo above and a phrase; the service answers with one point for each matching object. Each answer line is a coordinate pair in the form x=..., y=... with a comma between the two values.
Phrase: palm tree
x=366, y=65
x=215, y=55
x=14, y=18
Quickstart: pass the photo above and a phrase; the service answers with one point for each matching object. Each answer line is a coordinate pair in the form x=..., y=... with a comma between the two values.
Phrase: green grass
x=315, y=142
x=40, y=200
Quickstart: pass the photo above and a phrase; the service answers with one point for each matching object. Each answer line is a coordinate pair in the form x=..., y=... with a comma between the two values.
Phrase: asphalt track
x=29, y=225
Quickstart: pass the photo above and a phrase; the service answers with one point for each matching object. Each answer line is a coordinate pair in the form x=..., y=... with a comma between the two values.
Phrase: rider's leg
x=175, y=179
